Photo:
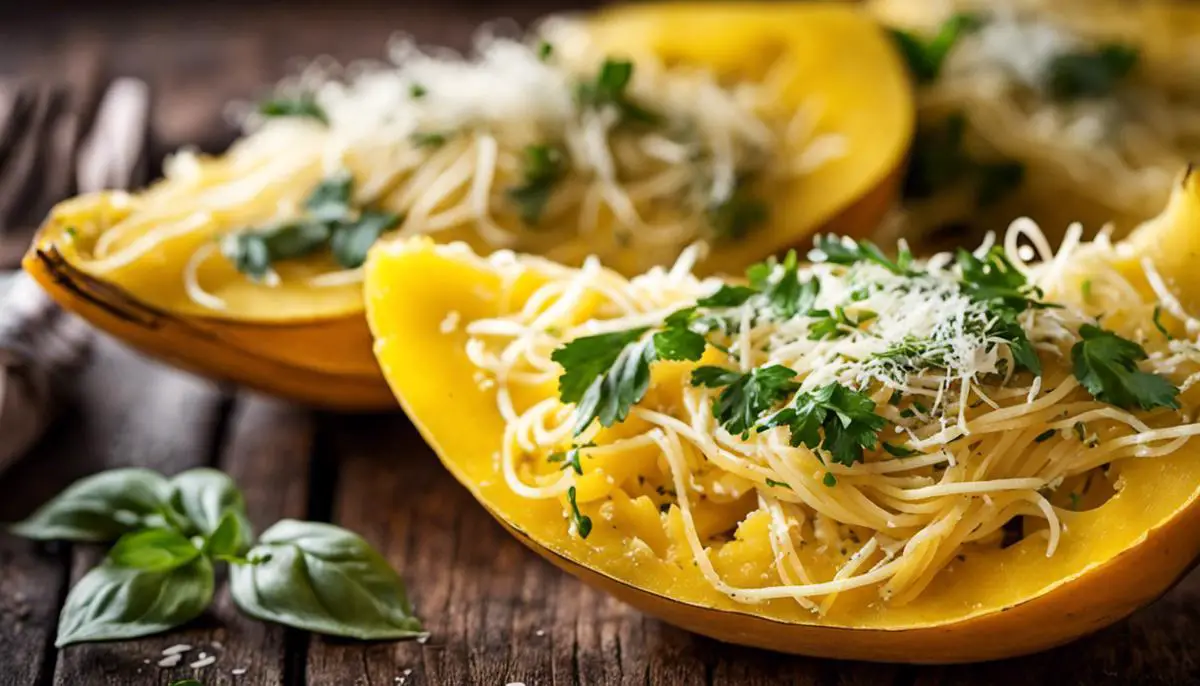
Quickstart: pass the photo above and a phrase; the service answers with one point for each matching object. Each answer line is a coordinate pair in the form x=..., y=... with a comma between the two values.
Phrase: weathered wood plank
x=129, y=411
x=135, y=413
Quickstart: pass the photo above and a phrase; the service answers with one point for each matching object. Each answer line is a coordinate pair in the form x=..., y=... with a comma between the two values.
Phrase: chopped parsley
x=330, y=221
x=940, y=160
x=583, y=523
x=1106, y=365
x=925, y=56
x=608, y=89
x=847, y=251
x=830, y=480
x=1045, y=435
x=542, y=168
x=728, y=296
x=744, y=398
x=777, y=484
x=416, y=91
x=545, y=50
x=786, y=294
x=428, y=139
x=899, y=450
x=1158, y=323
x=833, y=419
x=303, y=106
x=1089, y=74
x=737, y=215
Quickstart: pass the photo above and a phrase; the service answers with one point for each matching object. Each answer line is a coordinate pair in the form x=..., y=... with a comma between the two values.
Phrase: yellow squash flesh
x=311, y=343
x=997, y=603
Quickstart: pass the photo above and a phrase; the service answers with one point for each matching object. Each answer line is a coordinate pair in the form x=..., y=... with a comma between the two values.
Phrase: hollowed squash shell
x=311, y=344
x=995, y=604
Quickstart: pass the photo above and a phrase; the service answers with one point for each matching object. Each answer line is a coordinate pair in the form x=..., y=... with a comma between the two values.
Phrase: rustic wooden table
x=496, y=613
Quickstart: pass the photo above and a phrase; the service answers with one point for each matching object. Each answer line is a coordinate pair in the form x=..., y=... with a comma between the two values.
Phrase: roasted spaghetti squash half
x=629, y=134
x=872, y=456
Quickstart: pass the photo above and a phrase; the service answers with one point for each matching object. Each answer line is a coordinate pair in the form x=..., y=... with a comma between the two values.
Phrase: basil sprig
x=168, y=534
x=325, y=579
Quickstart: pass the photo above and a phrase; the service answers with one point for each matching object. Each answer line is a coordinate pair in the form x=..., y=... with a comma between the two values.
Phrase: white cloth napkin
x=40, y=348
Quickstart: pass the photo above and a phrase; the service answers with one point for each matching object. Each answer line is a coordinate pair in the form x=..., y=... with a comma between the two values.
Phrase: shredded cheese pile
x=442, y=140
x=990, y=450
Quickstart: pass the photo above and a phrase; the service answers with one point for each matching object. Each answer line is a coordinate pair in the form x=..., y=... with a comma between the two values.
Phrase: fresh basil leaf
x=113, y=602
x=322, y=578
x=99, y=508
x=153, y=550
x=227, y=540
x=352, y=239
x=203, y=498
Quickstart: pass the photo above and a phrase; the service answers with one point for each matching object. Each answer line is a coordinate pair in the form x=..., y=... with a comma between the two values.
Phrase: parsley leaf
x=1089, y=74
x=330, y=200
x=745, y=396
x=585, y=360
x=606, y=374
x=925, y=57
x=608, y=88
x=847, y=251
x=786, y=294
x=352, y=239
x=304, y=106
x=253, y=252
x=737, y=215
x=677, y=341
x=728, y=296
x=543, y=166
x=1159, y=325
x=834, y=418
x=1106, y=365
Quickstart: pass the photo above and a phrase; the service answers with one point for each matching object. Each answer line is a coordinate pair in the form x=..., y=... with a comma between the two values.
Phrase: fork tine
x=114, y=153
x=18, y=180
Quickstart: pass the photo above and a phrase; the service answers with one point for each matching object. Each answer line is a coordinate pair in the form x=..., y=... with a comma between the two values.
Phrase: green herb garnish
x=1045, y=435
x=543, y=166
x=1089, y=74
x=829, y=480
x=847, y=251
x=777, y=484
x=583, y=523
x=834, y=419
x=899, y=450
x=606, y=374
x=925, y=57
x=1157, y=319
x=428, y=139
x=745, y=397
x=1106, y=365
x=330, y=221
x=608, y=89
x=304, y=106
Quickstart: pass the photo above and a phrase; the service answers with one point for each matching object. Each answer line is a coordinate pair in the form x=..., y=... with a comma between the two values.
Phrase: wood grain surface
x=496, y=613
